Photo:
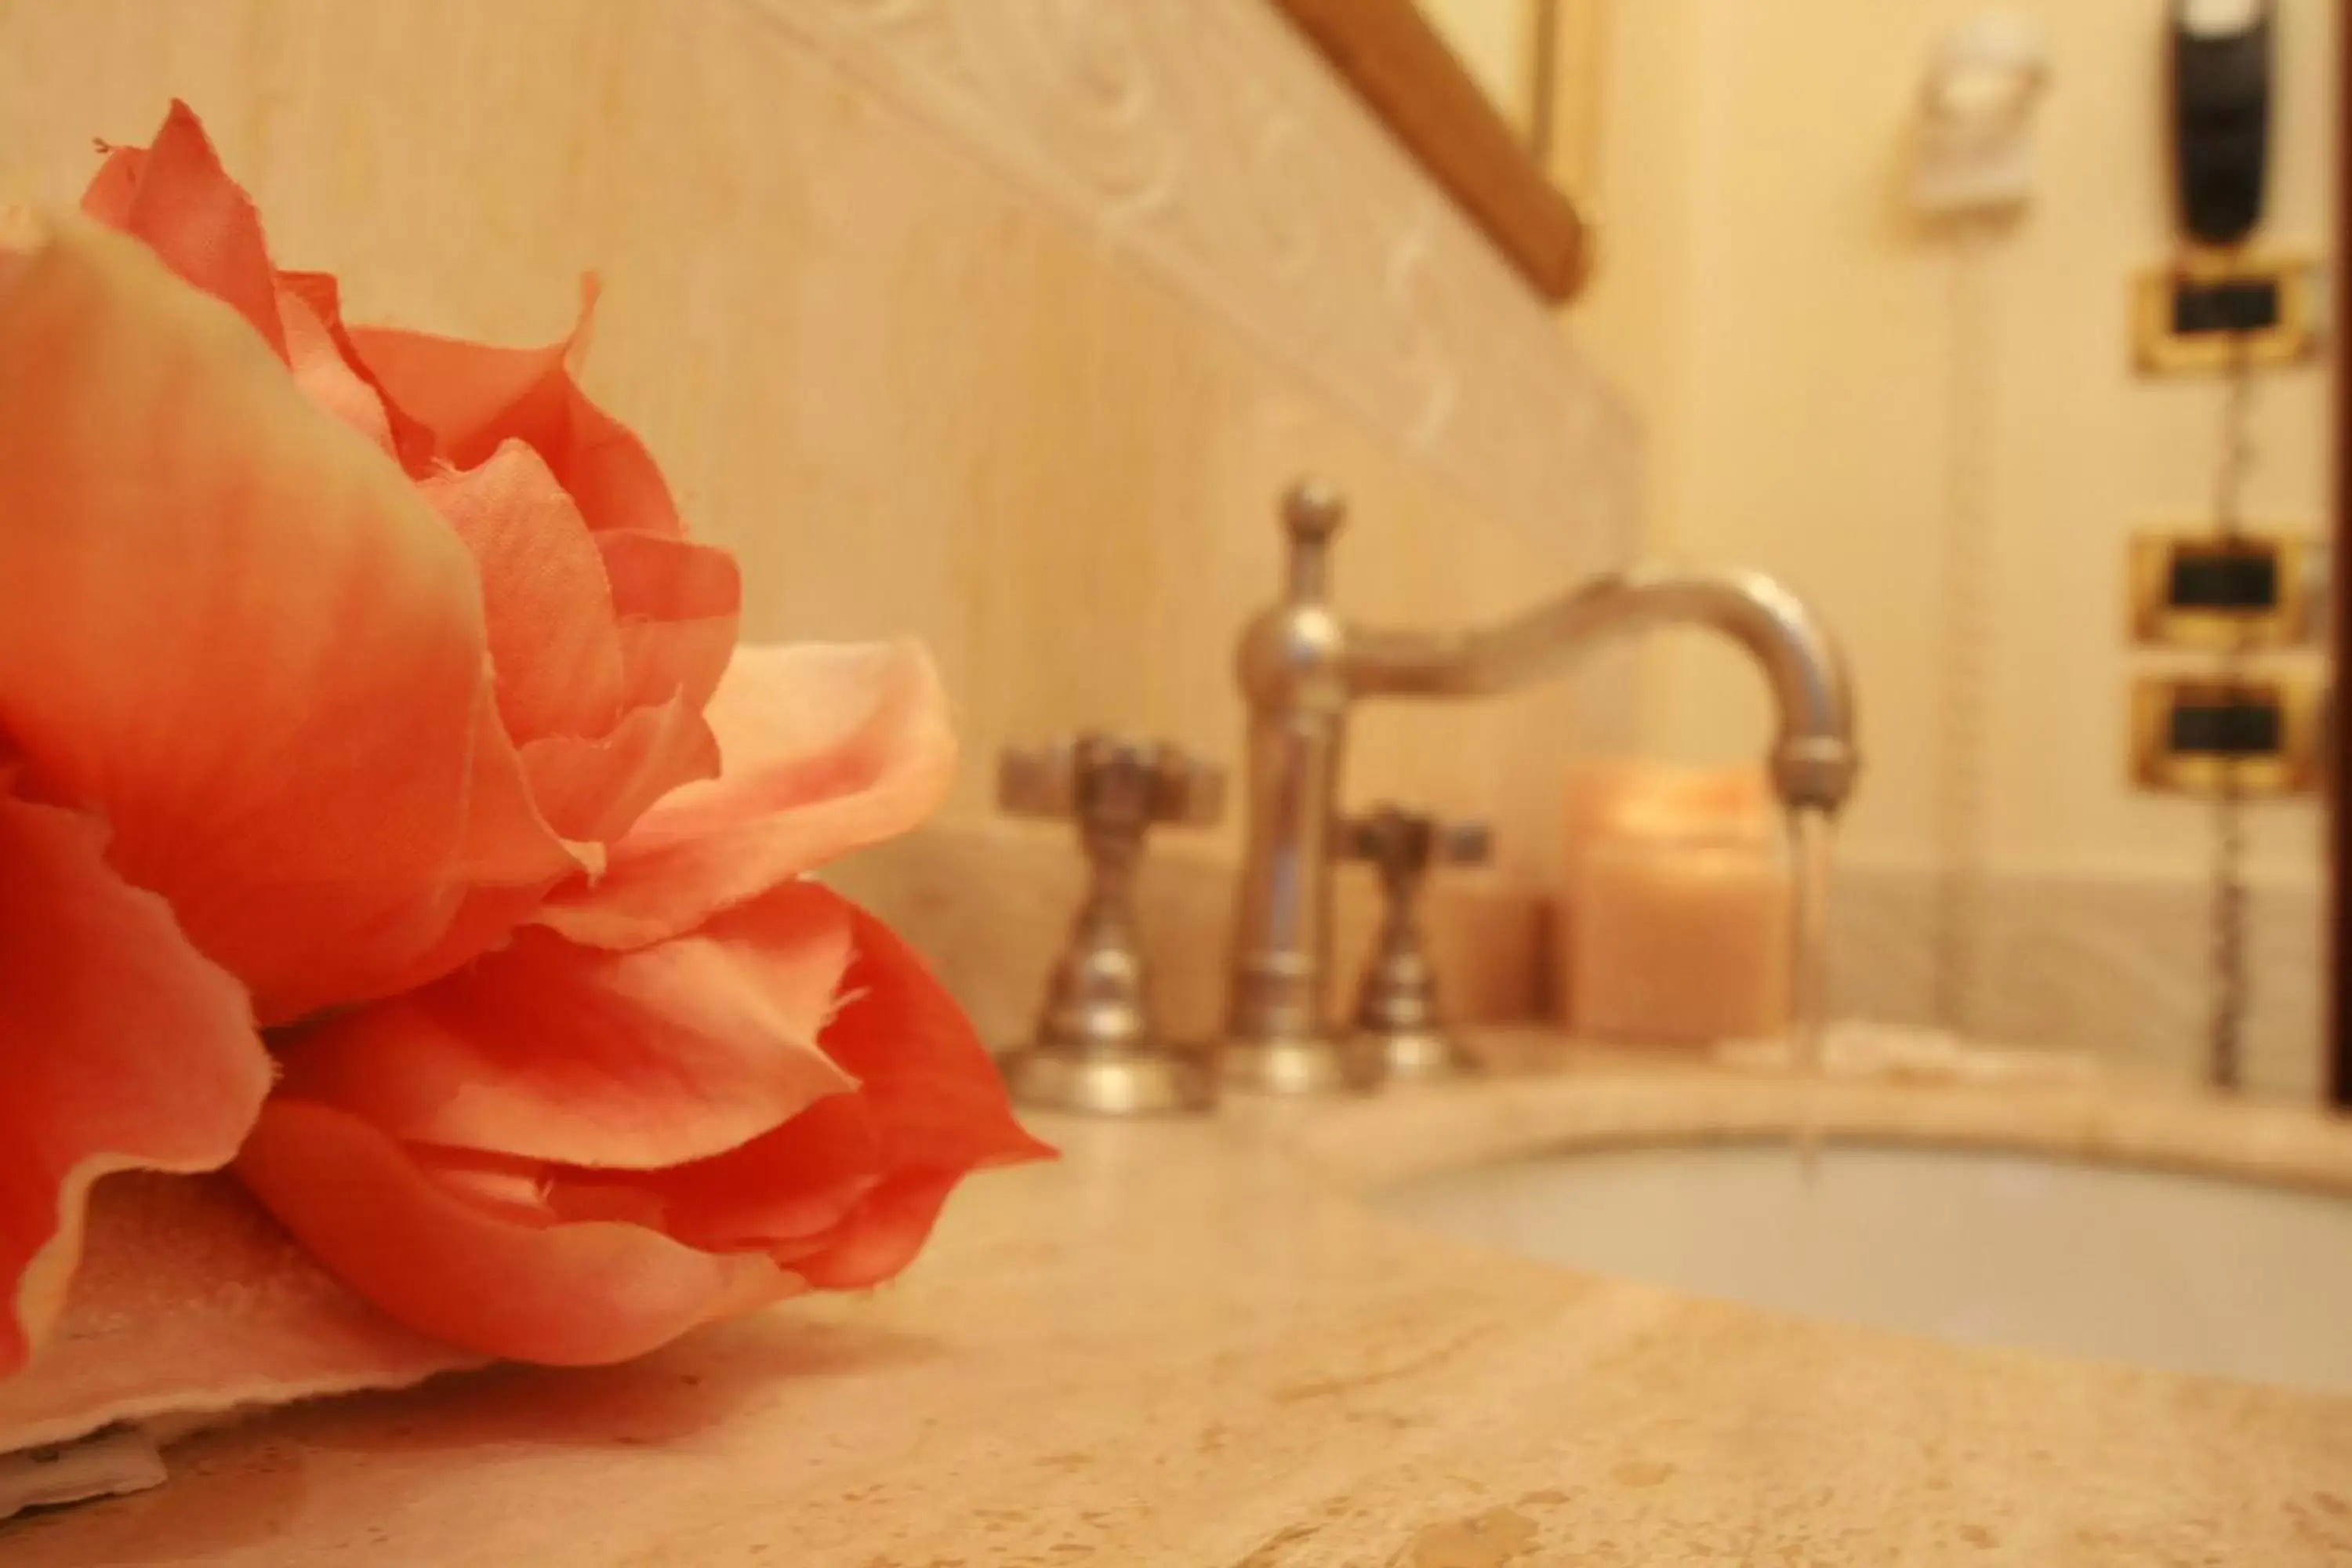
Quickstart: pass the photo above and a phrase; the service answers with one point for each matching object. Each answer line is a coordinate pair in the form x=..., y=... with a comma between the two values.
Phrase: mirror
x=1506, y=47
x=1496, y=99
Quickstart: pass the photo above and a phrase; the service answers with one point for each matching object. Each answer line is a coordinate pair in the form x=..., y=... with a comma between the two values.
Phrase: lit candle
x=1675, y=927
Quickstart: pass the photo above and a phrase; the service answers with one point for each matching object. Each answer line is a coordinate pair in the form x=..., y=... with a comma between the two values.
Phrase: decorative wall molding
x=1207, y=140
x=2116, y=966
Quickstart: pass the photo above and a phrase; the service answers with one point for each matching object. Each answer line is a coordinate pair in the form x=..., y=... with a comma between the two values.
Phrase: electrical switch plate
x=2191, y=588
x=2192, y=734
x=2199, y=313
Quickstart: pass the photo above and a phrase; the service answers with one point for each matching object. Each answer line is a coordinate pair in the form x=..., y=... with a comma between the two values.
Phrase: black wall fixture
x=2220, y=119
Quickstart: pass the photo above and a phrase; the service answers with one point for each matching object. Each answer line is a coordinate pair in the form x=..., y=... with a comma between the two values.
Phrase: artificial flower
x=379, y=810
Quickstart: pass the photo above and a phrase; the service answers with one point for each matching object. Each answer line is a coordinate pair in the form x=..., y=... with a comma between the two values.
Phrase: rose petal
x=595, y=789
x=475, y=397
x=515, y=1188
x=236, y=632
x=662, y=661
x=551, y=1051
x=679, y=605
x=610, y=726
x=319, y=371
x=125, y=1048
x=489, y=900
x=545, y=599
x=175, y=198
x=465, y=393
x=570, y=1294
x=926, y=1079
x=825, y=749
x=881, y=1237
x=929, y=1108
x=327, y=366
x=780, y=1194
x=484, y=919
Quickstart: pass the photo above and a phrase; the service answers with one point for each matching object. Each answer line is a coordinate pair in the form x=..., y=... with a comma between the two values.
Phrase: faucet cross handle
x=1403, y=845
x=1396, y=1005
x=1108, y=781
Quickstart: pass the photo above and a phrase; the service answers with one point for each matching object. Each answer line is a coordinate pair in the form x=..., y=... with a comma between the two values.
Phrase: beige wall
x=1634, y=318
x=998, y=324
x=1793, y=341
x=1791, y=336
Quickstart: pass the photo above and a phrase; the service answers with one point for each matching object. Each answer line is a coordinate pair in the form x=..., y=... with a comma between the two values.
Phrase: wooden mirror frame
x=1400, y=68
x=2339, y=776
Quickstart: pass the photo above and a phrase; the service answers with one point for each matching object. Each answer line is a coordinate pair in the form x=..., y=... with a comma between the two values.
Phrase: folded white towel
x=190, y=1307
x=111, y=1462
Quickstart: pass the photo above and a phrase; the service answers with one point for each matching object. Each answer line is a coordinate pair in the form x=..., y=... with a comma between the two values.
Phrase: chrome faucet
x=1301, y=667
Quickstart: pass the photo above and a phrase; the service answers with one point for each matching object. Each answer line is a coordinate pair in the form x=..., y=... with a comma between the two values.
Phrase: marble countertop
x=1195, y=1345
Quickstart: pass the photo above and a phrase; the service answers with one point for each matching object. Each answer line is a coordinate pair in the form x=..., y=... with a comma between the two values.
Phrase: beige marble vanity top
x=1194, y=1345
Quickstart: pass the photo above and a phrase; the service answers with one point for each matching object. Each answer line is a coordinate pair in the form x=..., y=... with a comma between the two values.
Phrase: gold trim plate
x=2164, y=350
x=2293, y=768
x=2156, y=622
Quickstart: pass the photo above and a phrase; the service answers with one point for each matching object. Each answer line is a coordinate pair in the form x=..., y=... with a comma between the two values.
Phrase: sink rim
x=2323, y=1184
x=1588, y=1101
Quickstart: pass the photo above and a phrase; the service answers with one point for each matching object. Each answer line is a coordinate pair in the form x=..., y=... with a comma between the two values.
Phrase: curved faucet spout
x=1302, y=667
x=1813, y=760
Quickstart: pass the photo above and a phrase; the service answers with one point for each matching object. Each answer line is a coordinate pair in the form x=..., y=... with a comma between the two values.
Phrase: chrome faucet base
x=1096, y=1050
x=1302, y=1065
x=1420, y=1056
x=1150, y=1082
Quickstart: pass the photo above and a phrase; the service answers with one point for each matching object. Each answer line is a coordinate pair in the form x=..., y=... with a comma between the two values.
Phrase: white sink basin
x=2183, y=1273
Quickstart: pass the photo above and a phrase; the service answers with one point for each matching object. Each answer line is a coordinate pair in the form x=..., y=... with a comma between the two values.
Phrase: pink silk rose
x=368, y=725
